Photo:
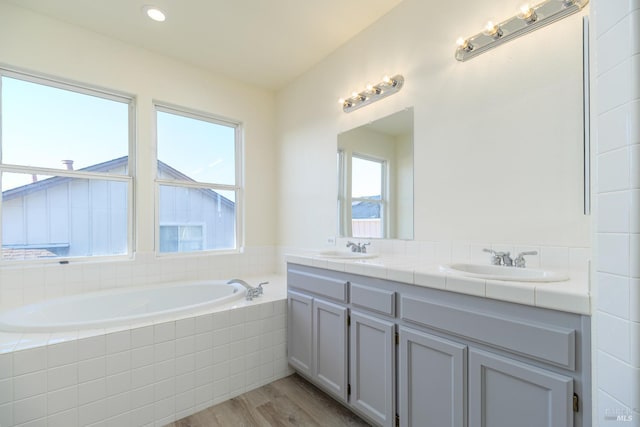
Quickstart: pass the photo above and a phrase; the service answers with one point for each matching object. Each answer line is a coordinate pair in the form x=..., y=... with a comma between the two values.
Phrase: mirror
x=375, y=179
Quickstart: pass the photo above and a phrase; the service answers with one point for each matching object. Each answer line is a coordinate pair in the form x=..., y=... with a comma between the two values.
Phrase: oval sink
x=346, y=255
x=498, y=272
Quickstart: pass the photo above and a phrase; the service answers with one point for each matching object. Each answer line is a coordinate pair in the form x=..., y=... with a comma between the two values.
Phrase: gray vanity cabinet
x=432, y=382
x=330, y=347
x=372, y=364
x=299, y=327
x=505, y=393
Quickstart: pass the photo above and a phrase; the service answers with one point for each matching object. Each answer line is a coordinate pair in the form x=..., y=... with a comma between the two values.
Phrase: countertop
x=570, y=296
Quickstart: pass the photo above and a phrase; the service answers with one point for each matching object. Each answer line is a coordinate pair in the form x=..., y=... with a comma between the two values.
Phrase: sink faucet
x=504, y=258
x=358, y=247
x=251, y=291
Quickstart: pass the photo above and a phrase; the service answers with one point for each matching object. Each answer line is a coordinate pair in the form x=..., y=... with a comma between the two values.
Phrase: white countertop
x=571, y=295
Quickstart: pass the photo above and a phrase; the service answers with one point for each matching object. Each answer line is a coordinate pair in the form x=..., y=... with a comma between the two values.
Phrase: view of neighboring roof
x=104, y=167
x=364, y=210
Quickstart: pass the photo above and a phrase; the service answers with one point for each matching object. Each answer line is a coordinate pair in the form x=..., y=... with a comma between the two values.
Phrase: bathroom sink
x=497, y=272
x=346, y=255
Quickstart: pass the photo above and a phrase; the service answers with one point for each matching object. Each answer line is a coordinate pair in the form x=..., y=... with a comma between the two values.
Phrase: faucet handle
x=260, y=290
x=363, y=247
x=496, y=258
x=520, y=261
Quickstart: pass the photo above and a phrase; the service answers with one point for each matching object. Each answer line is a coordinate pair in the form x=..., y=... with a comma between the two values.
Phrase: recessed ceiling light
x=154, y=13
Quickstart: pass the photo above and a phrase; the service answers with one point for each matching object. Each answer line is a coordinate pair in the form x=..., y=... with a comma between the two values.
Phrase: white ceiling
x=267, y=43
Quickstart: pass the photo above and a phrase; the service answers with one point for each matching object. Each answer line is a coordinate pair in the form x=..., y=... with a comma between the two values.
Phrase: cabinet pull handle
x=576, y=403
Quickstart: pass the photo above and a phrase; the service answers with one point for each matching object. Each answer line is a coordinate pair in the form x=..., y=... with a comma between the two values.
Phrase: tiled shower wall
x=146, y=376
x=23, y=285
x=617, y=111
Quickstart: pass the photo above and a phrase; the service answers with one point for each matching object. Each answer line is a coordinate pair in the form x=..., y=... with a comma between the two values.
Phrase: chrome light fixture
x=529, y=19
x=372, y=93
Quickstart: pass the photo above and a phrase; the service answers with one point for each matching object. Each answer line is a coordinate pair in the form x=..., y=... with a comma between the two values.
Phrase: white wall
x=616, y=38
x=35, y=42
x=498, y=139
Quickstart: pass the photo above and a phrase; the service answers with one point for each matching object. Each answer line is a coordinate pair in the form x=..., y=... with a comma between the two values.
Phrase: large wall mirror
x=375, y=179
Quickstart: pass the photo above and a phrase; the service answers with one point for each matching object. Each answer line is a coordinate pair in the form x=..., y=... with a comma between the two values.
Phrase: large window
x=198, y=181
x=64, y=169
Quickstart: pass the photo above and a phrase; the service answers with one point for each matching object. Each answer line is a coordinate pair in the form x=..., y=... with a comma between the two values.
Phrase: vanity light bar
x=388, y=86
x=529, y=19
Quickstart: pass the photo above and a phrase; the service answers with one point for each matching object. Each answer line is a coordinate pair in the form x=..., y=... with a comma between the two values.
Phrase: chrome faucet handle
x=259, y=288
x=495, y=258
x=353, y=246
x=520, y=261
x=363, y=247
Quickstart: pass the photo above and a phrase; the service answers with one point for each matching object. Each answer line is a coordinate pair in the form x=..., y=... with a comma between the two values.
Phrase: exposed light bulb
x=386, y=79
x=354, y=94
x=341, y=101
x=493, y=30
x=464, y=44
x=369, y=87
x=154, y=13
x=527, y=14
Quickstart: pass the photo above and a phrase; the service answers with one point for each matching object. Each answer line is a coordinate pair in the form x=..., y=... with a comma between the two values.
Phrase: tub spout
x=251, y=291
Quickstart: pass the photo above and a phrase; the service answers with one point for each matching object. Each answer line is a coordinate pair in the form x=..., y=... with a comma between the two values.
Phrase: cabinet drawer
x=377, y=300
x=320, y=285
x=545, y=342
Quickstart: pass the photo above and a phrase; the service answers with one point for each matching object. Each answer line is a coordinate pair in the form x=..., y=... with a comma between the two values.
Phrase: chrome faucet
x=358, y=247
x=504, y=258
x=251, y=291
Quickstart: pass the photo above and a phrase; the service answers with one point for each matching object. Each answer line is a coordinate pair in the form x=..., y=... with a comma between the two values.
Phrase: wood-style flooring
x=290, y=401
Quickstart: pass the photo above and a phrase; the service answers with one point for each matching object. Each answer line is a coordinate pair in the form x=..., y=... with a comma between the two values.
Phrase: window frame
x=237, y=187
x=345, y=198
x=90, y=90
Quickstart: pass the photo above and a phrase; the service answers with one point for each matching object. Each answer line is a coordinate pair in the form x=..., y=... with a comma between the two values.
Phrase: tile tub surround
x=26, y=283
x=571, y=296
x=150, y=374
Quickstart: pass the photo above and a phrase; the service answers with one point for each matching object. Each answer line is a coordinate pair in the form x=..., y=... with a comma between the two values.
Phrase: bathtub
x=106, y=309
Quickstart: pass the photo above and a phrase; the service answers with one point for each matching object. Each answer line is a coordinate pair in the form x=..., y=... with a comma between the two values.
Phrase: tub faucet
x=251, y=291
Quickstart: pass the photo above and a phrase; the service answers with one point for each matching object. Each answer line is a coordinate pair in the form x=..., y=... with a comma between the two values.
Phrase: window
x=198, y=181
x=66, y=180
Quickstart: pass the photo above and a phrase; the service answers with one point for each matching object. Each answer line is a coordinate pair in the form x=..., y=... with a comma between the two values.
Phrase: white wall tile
x=118, y=404
x=614, y=128
x=90, y=348
x=634, y=345
x=609, y=14
x=118, y=341
x=92, y=412
x=6, y=391
x=62, y=400
x=614, y=212
x=29, y=409
x=613, y=294
x=634, y=300
x=164, y=332
x=634, y=255
x=164, y=351
x=62, y=377
x=62, y=354
x=6, y=365
x=634, y=173
x=118, y=363
x=31, y=360
x=204, y=324
x=92, y=391
x=91, y=369
x=613, y=87
x=141, y=337
x=613, y=253
x=6, y=414
x=613, y=336
x=185, y=345
x=619, y=379
x=185, y=327
x=142, y=377
x=614, y=46
x=613, y=171
x=142, y=356
x=63, y=419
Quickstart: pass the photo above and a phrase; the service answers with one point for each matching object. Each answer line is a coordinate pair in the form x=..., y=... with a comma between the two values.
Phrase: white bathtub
x=111, y=308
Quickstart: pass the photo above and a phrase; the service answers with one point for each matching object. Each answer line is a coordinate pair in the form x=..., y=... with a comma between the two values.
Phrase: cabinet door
x=372, y=367
x=432, y=380
x=299, y=332
x=330, y=347
x=507, y=393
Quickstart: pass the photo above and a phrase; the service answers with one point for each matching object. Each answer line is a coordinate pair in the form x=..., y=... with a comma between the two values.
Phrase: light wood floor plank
x=288, y=402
